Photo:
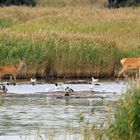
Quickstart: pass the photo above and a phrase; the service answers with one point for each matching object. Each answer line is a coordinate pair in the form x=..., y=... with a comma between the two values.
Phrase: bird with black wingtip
x=68, y=90
x=3, y=89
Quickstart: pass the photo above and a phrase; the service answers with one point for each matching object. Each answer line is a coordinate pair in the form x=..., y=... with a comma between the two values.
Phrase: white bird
x=33, y=81
x=59, y=86
x=91, y=86
x=3, y=89
x=94, y=80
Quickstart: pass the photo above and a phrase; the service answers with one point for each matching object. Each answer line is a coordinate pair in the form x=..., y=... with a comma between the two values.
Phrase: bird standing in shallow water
x=68, y=91
x=59, y=86
x=93, y=82
x=3, y=89
x=33, y=81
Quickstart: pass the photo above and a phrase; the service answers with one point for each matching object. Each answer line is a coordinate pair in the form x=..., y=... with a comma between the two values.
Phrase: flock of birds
x=58, y=87
x=61, y=87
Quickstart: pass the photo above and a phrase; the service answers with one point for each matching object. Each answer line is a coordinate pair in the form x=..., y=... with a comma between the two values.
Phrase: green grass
x=62, y=3
x=127, y=119
x=124, y=120
x=69, y=41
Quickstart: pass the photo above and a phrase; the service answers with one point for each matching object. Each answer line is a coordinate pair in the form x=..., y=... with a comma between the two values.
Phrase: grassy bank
x=69, y=41
x=126, y=125
x=123, y=121
x=62, y=3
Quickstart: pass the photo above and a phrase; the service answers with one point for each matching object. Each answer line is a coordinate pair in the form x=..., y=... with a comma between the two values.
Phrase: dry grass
x=119, y=25
x=67, y=30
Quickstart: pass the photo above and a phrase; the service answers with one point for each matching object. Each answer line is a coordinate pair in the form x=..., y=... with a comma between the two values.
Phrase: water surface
x=32, y=118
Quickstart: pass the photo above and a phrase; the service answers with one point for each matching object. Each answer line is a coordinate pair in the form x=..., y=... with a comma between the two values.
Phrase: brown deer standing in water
x=12, y=69
x=129, y=63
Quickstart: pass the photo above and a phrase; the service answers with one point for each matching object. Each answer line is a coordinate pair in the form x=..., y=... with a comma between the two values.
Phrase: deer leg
x=0, y=80
x=121, y=72
x=10, y=79
x=14, y=77
x=139, y=74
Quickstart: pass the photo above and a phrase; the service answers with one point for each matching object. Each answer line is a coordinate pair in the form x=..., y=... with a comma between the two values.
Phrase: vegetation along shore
x=70, y=41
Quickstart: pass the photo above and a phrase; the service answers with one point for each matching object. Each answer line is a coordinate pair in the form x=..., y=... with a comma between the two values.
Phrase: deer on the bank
x=12, y=70
x=129, y=63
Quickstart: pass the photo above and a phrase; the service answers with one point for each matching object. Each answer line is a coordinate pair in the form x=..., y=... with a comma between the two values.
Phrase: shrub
x=18, y=2
x=127, y=117
x=123, y=3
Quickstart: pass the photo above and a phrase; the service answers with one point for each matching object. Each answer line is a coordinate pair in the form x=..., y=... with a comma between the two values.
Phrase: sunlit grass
x=75, y=41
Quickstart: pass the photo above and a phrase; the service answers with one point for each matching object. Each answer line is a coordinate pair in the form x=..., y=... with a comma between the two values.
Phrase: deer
x=12, y=70
x=129, y=64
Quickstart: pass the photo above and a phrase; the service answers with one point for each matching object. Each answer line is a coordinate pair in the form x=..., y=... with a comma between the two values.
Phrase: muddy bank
x=60, y=95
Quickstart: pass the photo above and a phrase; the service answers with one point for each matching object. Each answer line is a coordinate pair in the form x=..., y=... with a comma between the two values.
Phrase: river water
x=51, y=118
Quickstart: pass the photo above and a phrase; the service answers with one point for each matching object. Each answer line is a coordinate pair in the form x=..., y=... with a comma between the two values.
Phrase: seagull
x=33, y=81
x=59, y=86
x=94, y=80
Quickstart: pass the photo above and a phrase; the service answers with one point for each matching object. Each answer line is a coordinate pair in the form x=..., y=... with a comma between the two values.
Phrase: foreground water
x=50, y=118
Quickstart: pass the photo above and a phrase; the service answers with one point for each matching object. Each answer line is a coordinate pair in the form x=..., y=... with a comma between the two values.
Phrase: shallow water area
x=105, y=86
x=39, y=118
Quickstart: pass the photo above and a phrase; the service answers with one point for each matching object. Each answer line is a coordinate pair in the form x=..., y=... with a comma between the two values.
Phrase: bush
x=18, y=2
x=122, y=3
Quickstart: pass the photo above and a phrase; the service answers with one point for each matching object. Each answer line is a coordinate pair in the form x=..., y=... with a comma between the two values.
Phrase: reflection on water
x=27, y=118
x=20, y=116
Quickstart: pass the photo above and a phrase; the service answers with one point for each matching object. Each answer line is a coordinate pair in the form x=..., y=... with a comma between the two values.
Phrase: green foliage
x=128, y=3
x=62, y=3
x=122, y=3
x=101, y=3
x=6, y=22
x=127, y=117
x=68, y=42
x=67, y=57
x=89, y=129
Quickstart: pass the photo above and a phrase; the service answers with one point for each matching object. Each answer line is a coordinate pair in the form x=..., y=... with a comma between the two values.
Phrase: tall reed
x=127, y=119
x=66, y=42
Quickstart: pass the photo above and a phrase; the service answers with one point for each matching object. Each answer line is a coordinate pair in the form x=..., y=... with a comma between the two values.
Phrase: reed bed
x=124, y=120
x=71, y=41
x=126, y=125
